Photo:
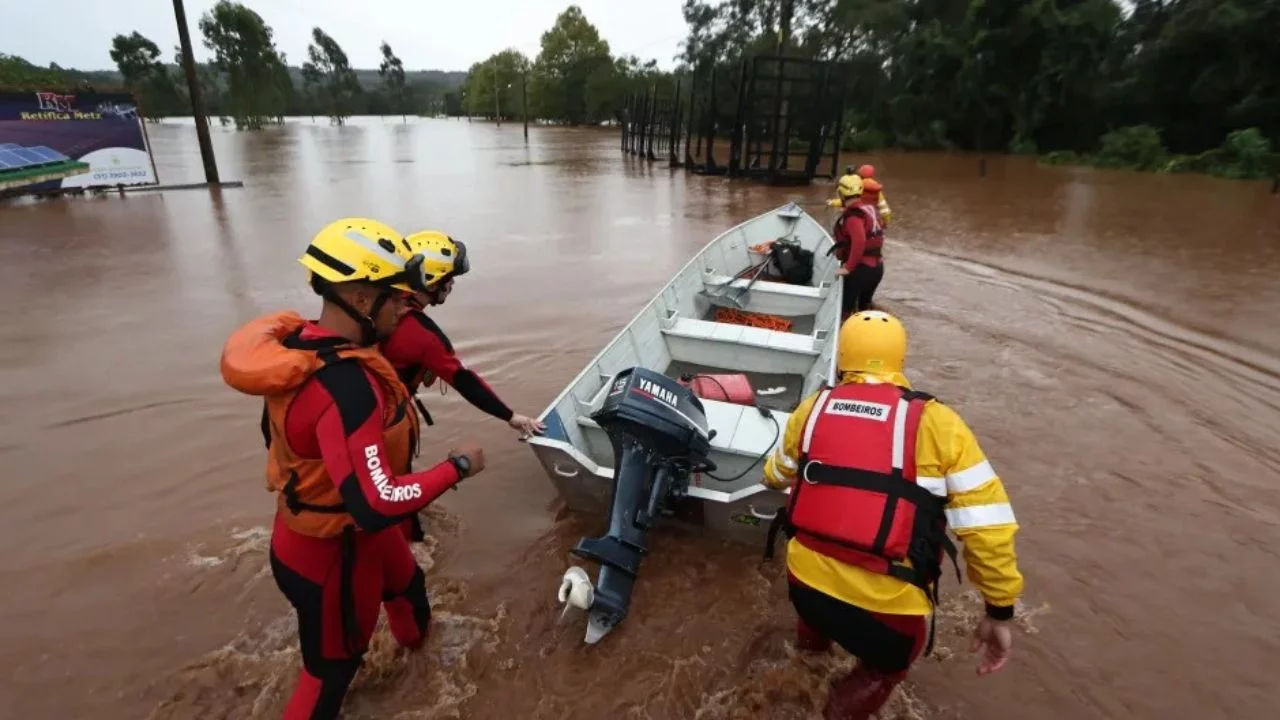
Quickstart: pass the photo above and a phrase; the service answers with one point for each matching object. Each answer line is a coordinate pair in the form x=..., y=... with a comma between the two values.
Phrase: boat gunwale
x=568, y=387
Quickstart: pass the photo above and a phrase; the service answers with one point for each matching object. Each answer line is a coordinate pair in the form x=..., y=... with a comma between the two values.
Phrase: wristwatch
x=462, y=463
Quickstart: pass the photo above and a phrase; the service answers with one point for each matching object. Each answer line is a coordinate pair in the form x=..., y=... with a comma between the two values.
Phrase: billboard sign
x=51, y=141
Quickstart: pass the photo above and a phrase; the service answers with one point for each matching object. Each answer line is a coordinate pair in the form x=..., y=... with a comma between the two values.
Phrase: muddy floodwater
x=1113, y=338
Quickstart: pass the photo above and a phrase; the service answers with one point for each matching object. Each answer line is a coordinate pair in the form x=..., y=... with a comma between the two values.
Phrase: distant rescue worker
x=878, y=473
x=340, y=432
x=873, y=193
x=421, y=352
x=859, y=240
x=837, y=202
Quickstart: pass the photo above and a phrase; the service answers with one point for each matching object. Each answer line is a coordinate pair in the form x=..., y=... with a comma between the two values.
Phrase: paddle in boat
x=676, y=415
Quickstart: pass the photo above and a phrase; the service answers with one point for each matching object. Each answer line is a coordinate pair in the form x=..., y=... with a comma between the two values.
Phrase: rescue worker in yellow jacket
x=878, y=473
x=873, y=192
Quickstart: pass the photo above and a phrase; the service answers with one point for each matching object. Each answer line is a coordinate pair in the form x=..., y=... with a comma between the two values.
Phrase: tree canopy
x=258, y=84
x=574, y=79
x=1022, y=75
x=328, y=76
x=1139, y=79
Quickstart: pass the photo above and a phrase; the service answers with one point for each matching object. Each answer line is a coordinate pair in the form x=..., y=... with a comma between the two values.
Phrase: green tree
x=571, y=52
x=392, y=72
x=258, y=84
x=149, y=79
x=501, y=73
x=18, y=74
x=1021, y=74
x=329, y=72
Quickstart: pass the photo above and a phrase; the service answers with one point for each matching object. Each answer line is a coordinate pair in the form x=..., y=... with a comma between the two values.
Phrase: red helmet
x=867, y=171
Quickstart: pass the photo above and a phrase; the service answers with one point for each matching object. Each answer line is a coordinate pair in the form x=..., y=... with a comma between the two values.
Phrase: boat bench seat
x=740, y=430
x=765, y=296
x=742, y=335
x=766, y=286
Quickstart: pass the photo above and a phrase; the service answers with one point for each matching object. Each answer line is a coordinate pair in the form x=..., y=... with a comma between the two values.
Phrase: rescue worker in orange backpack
x=873, y=193
x=340, y=433
x=859, y=238
x=421, y=352
x=878, y=473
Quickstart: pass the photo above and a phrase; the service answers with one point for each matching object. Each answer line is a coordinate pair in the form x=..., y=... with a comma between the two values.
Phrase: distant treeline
x=574, y=79
x=426, y=89
x=1184, y=85
x=1155, y=84
x=249, y=81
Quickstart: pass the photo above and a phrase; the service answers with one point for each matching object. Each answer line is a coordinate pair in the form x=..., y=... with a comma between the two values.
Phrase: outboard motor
x=660, y=437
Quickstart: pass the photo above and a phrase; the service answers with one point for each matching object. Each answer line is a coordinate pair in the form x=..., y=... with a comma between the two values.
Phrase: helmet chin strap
x=368, y=330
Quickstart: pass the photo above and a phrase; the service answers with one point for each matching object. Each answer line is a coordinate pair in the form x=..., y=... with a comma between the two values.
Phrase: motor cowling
x=662, y=416
x=659, y=434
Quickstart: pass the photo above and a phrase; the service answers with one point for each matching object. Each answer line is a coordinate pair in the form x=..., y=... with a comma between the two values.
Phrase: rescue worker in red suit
x=859, y=239
x=421, y=353
x=878, y=474
x=340, y=431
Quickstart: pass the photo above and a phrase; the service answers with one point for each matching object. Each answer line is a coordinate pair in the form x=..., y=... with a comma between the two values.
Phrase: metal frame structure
x=782, y=116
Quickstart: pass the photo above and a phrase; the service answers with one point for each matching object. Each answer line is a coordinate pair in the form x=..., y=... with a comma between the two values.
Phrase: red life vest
x=856, y=499
x=871, y=223
x=875, y=231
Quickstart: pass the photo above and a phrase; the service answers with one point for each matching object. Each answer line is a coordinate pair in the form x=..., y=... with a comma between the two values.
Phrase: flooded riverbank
x=1113, y=349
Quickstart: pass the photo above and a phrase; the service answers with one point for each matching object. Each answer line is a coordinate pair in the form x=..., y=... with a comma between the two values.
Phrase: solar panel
x=30, y=157
x=12, y=159
x=48, y=154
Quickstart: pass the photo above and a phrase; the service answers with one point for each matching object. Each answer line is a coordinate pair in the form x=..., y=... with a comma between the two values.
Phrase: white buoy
x=576, y=590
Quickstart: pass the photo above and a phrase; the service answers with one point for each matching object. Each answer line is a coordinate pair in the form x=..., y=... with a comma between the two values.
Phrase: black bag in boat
x=794, y=263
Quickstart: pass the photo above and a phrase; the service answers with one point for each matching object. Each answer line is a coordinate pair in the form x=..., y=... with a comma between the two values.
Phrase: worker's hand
x=842, y=271
x=526, y=425
x=995, y=639
x=474, y=453
x=834, y=202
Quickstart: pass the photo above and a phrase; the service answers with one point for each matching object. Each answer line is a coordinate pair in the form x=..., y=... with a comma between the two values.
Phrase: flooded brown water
x=1111, y=337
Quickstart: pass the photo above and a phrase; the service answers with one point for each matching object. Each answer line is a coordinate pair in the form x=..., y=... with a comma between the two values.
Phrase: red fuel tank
x=726, y=388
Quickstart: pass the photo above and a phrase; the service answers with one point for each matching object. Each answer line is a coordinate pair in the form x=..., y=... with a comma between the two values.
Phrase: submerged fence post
x=653, y=117
x=673, y=145
x=688, y=128
x=626, y=118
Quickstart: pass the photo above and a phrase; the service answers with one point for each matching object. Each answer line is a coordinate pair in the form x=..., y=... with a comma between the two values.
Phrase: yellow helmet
x=849, y=186
x=442, y=256
x=359, y=249
x=872, y=341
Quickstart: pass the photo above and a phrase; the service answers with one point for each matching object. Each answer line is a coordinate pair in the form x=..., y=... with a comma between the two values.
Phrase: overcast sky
x=426, y=34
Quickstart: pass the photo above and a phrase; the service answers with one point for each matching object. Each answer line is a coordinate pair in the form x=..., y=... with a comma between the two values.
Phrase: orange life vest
x=871, y=191
x=267, y=357
x=856, y=498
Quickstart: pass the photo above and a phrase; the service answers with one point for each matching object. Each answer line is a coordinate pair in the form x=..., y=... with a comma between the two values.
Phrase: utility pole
x=524, y=102
x=497, y=95
x=197, y=102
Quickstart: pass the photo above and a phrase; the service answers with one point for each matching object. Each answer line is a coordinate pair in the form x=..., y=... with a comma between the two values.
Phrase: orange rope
x=760, y=320
x=762, y=248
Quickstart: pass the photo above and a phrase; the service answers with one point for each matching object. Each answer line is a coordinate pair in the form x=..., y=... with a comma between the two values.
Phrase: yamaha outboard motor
x=660, y=436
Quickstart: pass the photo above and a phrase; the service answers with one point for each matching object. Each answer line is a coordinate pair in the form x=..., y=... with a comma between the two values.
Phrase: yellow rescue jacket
x=882, y=207
x=978, y=513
